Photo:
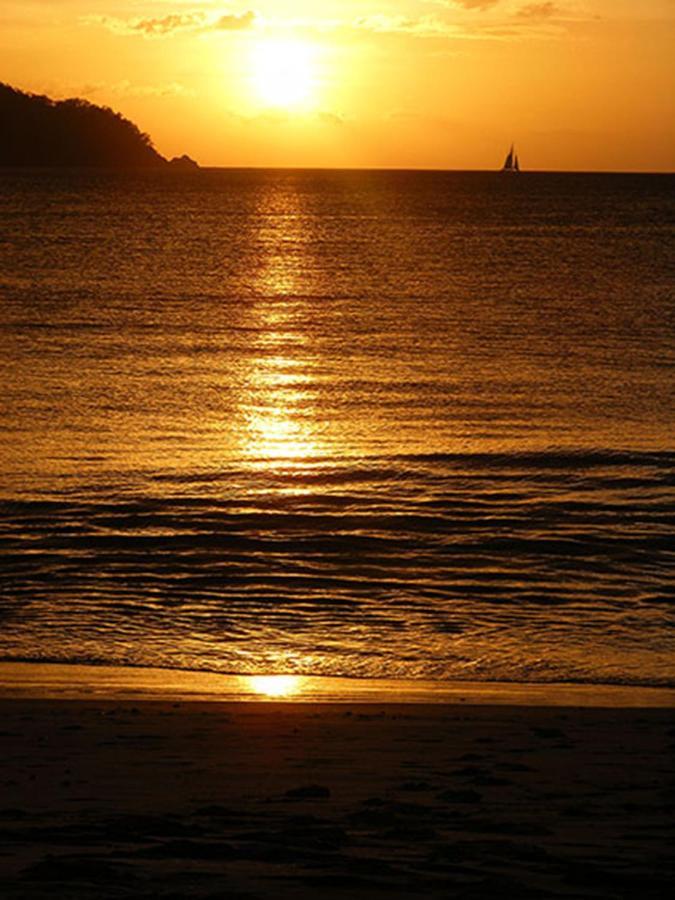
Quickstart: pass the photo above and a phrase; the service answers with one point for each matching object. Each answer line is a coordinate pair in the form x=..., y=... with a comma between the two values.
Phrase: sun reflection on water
x=278, y=408
x=275, y=685
x=276, y=435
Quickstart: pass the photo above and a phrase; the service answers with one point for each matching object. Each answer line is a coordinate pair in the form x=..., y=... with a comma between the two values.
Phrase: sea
x=376, y=424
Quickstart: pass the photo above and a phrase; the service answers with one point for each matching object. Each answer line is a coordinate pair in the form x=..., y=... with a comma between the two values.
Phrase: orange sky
x=578, y=84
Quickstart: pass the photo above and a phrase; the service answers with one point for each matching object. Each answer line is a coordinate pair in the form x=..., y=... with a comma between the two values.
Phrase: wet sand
x=159, y=799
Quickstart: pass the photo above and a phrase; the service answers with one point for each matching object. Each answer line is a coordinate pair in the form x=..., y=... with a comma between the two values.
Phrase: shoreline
x=53, y=681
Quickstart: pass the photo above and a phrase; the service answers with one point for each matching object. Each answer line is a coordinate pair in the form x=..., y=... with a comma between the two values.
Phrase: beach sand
x=105, y=798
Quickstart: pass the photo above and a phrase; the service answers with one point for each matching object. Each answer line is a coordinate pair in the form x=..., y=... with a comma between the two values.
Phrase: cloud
x=476, y=4
x=235, y=21
x=525, y=23
x=421, y=26
x=425, y=27
x=168, y=24
x=538, y=10
x=466, y=4
x=176, y=23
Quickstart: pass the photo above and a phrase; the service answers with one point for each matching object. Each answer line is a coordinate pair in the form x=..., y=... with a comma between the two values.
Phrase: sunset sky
x=578, y=84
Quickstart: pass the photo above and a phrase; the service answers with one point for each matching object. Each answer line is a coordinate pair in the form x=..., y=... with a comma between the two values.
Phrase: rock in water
x=183, y=162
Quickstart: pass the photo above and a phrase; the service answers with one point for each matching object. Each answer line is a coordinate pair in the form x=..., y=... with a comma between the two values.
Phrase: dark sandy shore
x=108, y=799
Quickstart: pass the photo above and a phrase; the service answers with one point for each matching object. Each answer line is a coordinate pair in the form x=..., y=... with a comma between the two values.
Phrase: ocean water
x=378, y=424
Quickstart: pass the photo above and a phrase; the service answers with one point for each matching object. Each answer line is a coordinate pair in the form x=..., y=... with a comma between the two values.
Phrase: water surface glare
x=378, y=424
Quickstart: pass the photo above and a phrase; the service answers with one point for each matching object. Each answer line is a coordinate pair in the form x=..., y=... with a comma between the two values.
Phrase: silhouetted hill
x=37, y=131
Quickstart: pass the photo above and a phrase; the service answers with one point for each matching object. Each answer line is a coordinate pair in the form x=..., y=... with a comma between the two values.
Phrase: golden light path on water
x=275, y=685
x=277, y=412
x=277, y=408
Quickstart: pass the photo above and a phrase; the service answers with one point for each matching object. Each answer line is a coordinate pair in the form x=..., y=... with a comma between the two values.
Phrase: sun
x=284, y=73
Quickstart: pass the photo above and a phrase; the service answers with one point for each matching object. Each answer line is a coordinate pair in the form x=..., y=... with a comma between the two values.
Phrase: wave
x=547, y=566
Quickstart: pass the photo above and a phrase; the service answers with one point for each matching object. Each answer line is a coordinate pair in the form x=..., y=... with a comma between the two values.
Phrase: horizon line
x=434, y=169
x=319, y=168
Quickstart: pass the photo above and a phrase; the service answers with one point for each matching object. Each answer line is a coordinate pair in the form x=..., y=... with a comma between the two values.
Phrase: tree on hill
x=38, y=131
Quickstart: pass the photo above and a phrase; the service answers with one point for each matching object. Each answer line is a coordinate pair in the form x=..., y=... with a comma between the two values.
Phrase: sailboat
x=511, y=163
